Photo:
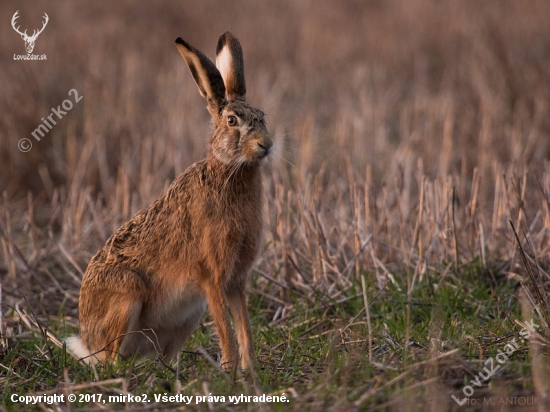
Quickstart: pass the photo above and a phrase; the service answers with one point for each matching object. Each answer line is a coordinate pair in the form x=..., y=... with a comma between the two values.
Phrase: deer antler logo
x=29, y=40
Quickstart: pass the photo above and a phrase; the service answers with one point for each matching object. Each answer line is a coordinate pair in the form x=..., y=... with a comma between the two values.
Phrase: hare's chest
x=249, y=239
x=233, y=238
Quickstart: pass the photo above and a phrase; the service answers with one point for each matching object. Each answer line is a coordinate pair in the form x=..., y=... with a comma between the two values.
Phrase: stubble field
x=410, y=136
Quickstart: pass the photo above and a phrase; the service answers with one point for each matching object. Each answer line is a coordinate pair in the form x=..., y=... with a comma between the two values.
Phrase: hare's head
x=241, y=136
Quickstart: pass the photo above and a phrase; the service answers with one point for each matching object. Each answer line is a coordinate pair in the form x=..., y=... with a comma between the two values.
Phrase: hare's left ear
x=229, y=61
x=206, y=76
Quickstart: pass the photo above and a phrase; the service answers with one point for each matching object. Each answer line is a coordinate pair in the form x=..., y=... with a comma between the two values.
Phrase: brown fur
x=147, y=289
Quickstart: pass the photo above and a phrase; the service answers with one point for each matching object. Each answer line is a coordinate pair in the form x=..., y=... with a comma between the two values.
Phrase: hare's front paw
x=228, y=365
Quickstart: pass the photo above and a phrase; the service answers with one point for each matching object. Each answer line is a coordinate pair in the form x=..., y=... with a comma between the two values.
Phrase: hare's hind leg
x=109, y=334
x=237, y=303
x=106, y=315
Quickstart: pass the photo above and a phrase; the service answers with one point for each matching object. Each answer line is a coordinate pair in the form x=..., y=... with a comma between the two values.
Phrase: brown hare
x=147, y=289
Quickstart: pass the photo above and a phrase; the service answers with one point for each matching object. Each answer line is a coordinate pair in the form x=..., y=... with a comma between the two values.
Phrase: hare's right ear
x=229, y=61
x=207, y=77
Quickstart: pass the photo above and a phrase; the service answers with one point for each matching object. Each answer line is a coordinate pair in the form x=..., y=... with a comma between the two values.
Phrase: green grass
x=308, y=353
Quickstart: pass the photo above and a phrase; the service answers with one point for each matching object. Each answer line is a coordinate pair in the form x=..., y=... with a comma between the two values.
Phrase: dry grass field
x=410, y=135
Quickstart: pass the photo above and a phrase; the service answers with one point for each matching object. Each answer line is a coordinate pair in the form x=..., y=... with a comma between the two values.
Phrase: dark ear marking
x=195, y=75
x=222, y=41
x=230, y=63
x=206, y=75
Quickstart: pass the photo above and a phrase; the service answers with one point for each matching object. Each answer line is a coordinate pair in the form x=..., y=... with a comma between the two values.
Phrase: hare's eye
x=231, y=120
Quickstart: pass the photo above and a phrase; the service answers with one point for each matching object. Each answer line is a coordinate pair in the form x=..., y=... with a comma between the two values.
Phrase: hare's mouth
x=256, y=151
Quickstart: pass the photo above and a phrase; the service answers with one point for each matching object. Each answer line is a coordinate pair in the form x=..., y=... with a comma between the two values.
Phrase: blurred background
x=453, y=85
x=380, y=110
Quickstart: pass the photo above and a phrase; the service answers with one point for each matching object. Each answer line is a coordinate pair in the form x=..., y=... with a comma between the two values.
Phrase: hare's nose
x=266, y=148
